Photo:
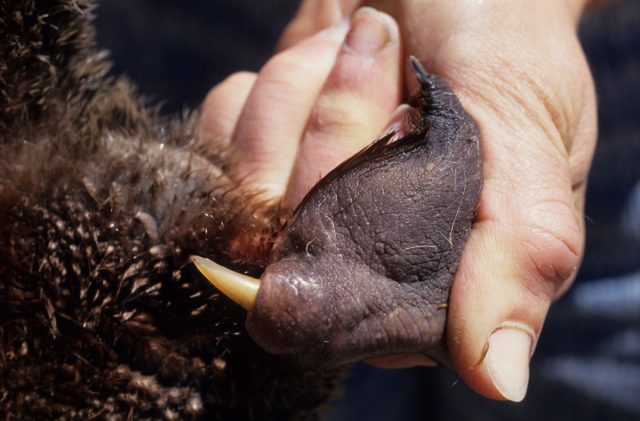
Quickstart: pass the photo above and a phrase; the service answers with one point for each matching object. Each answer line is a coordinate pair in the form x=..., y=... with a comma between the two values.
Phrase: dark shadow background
x=175, y=51
x=587, y=364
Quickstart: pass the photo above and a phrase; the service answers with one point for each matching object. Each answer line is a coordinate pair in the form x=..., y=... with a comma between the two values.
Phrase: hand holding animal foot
x=535, y=107
x=364, y=266
x=103, y=202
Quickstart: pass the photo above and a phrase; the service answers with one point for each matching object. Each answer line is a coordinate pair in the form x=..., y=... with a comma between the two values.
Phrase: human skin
x=519, y=70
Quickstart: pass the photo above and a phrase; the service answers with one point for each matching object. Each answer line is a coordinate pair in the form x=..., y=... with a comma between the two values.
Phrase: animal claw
x=242, y=289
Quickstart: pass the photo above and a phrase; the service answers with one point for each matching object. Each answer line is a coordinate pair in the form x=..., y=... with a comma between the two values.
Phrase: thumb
x=524, y=250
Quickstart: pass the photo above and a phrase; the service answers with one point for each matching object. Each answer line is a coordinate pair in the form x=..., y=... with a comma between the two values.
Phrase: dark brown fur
x=101, y=204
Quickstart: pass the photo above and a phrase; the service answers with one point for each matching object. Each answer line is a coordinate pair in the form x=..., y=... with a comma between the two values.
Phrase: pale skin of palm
x=338, y=82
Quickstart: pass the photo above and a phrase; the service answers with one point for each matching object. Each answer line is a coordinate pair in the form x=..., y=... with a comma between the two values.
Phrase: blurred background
x=587, y=364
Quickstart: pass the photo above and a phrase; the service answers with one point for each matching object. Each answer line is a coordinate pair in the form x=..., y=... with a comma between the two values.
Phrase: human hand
x=310, y=107
x=519, y=70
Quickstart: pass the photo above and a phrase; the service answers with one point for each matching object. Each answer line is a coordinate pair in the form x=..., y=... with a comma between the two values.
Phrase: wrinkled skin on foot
x=364, y=267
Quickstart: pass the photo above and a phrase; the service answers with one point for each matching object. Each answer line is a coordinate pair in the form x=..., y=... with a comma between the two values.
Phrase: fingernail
x=398, y=121
x=370, y=31
x=507, y=360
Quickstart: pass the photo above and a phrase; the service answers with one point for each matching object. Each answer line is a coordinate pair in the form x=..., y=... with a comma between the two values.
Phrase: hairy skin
x=365, y=265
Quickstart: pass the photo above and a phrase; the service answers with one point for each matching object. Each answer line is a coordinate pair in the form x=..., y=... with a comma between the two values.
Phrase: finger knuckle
x=554, y=249
x=335, y=114
x=283, y=69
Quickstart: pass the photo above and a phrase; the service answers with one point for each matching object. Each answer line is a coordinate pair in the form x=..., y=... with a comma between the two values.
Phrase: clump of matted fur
x=101, y=205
